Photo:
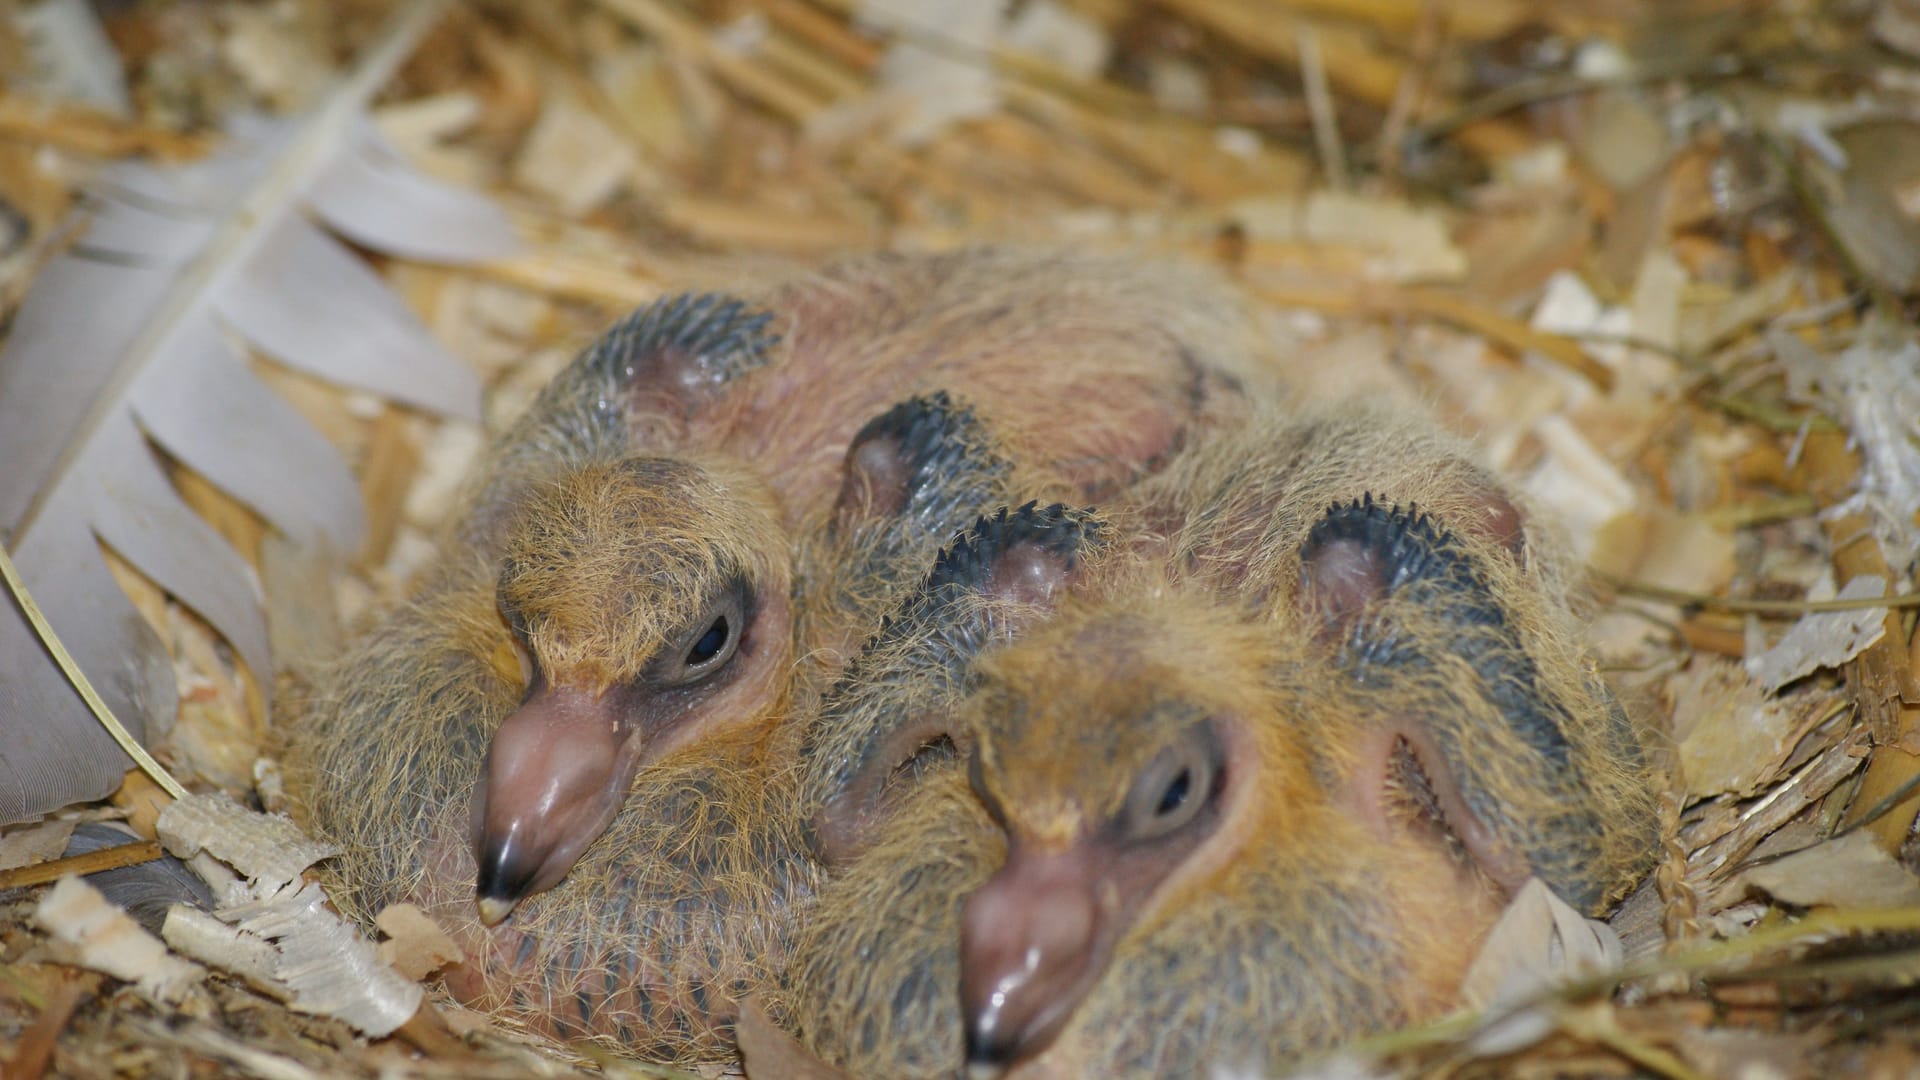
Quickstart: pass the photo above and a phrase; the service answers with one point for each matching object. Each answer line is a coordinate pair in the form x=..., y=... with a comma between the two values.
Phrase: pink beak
x=555, y=775
x=1033, y=940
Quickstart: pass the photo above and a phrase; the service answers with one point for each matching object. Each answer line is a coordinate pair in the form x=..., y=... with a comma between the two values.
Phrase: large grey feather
x=144, y=890
x=311, y=304
x=48, y=750
x=228, y=427
x=372, y=197
x=124, y=348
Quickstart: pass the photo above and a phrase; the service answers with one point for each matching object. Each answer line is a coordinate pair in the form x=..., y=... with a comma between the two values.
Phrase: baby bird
x=884, y=722
x=1260, y=785
x=657, y=935
x=639, y=525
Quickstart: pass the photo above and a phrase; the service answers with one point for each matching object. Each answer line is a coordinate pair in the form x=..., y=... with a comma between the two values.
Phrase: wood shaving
x=1732, y=734
x=416, y=946
x=1539, y=941
x=269, y=849
x=1851, y=872
x=89, y=931
x=325, y=964
x=1823, y=638
x=934, y=87
x=35, y=842
x=573, y=157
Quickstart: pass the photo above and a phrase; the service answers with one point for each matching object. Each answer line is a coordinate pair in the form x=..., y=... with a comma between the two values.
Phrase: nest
x=1657, y=258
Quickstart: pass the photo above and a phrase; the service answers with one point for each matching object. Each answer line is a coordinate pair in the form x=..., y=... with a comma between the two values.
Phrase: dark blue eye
x=1176, y=793
x=710, y=643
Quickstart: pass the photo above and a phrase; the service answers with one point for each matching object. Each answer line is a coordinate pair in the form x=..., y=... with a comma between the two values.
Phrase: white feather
x=124, y=345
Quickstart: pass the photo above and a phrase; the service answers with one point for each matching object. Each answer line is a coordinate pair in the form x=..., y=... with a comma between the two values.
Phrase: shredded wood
x=327, y=965
x=1539, y=941
x=88, y=930
x=415, y=946
x=269, y=849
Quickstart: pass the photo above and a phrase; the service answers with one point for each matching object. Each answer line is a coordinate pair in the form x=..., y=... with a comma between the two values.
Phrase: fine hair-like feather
x=1296, y=923
x=1085, y=373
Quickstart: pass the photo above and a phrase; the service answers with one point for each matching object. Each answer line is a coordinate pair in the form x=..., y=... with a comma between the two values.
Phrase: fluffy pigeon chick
x=1259, y=785
x=640, y=525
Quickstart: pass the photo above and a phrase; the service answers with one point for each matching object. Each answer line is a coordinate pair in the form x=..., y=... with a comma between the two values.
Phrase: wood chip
x=416, y=946
x=88, y=931
x=573, y=158
x=1075, y=44
x=936, y=87
x=1715, y=861
x=1851, y=871
x=1539, y=941
x=770, y=1053
x=325, y=965
x=267, y=848
x=206, y=938
x=34, y=842
x=1823, y=639
x=1732, y=735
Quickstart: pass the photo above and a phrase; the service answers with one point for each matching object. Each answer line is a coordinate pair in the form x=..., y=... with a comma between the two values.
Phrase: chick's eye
x=1174, y=789
x=710, y=644
x=1175, y=796
x=702, y=652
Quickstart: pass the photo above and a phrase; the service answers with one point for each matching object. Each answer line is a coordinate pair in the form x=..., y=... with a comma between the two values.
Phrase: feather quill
x=125, y=348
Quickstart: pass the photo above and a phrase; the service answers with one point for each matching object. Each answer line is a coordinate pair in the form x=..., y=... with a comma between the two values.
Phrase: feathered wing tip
x=1363, y=551
x=1007, y=555
x=632, y=386
x=1389, y=551
x=123, y=345
x=1055, y=533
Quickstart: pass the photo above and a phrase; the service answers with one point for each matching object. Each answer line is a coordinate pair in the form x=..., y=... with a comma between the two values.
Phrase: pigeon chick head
x=648, y=601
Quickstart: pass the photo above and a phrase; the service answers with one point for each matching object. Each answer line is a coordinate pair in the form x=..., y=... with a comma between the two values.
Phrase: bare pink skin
x=804, y=411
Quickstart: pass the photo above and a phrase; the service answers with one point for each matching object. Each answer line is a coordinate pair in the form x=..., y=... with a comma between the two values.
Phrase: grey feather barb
x=223, y=247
